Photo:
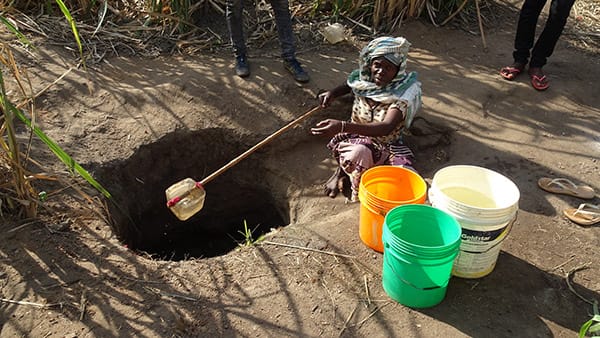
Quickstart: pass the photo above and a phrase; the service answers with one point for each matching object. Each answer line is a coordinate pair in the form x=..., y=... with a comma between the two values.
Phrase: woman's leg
x=355, y=159
x=332, y=186
x=401, y=155
x=355, y=154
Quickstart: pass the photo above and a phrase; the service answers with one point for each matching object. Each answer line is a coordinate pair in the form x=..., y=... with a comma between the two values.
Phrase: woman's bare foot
x=332, y=186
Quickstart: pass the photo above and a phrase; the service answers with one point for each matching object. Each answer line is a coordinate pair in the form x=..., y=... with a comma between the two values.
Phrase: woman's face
x=382, y=71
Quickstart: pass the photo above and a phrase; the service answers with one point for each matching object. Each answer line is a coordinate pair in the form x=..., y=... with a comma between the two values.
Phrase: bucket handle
x=508, y=230
x=411, y=284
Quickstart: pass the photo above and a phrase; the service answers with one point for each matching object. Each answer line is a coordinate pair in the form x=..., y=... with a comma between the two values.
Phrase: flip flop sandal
x=586, y=214
x=510, y=72
x=539, y=82
x=566, y=187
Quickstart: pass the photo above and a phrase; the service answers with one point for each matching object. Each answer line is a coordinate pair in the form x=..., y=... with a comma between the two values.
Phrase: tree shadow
x=516, y=299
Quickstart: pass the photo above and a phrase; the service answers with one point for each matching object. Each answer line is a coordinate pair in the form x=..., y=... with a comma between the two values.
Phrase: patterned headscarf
x=394, y=50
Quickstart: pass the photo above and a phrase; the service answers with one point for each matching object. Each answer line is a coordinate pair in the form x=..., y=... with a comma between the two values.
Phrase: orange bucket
x=381, y=189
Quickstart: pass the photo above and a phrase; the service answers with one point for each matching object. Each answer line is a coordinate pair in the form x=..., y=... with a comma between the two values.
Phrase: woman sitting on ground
x=386, y=99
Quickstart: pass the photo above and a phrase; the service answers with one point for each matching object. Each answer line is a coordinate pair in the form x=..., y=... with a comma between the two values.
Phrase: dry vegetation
x=127, y=27
x=93, y=30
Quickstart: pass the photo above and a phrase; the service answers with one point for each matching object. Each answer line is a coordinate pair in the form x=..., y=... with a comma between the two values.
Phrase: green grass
x=248, y=236
x=20, y=196
x=592, y=326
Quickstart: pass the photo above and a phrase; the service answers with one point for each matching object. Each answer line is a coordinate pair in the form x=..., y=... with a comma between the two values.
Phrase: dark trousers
x=544, y=46
x=283, y=21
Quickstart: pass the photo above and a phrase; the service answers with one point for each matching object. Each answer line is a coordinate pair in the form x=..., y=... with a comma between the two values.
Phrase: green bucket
x=420, y=244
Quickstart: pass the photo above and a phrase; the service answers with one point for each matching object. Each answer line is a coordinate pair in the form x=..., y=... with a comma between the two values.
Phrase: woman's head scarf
x=392, y=49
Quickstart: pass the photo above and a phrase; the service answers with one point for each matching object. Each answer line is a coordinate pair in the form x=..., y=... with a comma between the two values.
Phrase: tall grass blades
x=17, y=193
x=15, y=31
x=60, y=153
x=22, y=199
x=71, y=21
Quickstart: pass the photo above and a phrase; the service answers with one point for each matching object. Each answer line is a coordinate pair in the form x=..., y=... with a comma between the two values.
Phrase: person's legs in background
x=544, y=46
x=557, y=19
x=285, y=32
x=528, y=17
x=524, y=37
x=233, y=15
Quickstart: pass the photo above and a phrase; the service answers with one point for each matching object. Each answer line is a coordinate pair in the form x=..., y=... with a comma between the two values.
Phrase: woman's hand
x=328, y=127
x=326, y=98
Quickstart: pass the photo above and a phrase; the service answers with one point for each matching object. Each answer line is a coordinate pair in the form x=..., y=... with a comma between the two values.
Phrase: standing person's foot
x=242, y=69
x=294, y=67
x=511, y=72
x=539, y=81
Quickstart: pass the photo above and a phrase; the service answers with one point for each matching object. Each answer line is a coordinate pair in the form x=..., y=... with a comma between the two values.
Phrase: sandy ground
x=140, y=124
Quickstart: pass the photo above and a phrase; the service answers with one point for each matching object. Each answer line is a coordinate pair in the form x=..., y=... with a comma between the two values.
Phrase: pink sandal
x=510, y=72
x=539, y=81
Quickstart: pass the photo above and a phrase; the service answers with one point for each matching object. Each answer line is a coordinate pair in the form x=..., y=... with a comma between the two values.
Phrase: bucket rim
x=365, y=182
x=429, y=250
x=463, y=211
x=407, y=207
x=437, y=188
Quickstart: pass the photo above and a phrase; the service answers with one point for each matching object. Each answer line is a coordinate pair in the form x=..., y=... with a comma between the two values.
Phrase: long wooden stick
x=258, y=145
x=480, y=25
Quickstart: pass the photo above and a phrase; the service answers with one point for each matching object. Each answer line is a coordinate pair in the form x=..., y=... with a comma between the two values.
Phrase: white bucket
x=485, y=203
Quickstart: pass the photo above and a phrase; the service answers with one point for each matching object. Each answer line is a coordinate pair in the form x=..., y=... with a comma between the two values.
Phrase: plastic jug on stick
x=185, y=198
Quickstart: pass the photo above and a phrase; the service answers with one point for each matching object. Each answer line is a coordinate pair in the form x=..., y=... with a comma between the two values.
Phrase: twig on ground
x=53, y=83
x=324, y=284
x=369, y=29
x=458, y=10
x=142, y=281
x=172, y=295
x=307, y=249
x=23, y=225
x=568, y=277
x=367, y=290
x=564, y=263
x=348, y=320
x=82, y=304
x=19, y=302
x=373, y=313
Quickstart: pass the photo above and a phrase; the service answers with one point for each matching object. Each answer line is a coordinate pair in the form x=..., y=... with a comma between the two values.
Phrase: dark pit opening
x=241, y=195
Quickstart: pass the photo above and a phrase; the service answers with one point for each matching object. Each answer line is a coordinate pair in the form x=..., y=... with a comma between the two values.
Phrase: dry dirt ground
x=140, y=125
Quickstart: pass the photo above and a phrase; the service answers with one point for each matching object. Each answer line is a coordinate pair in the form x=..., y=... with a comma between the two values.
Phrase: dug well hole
x=240, y=198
